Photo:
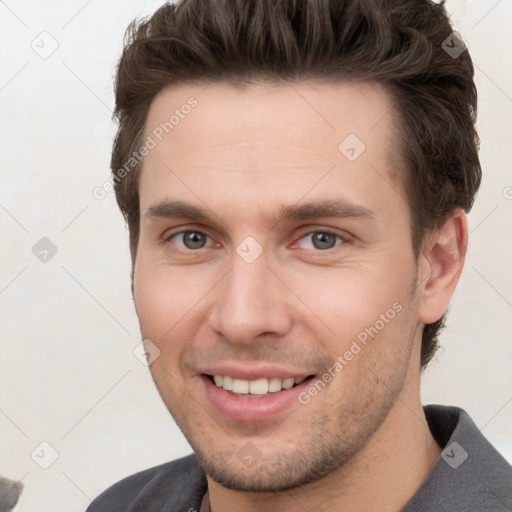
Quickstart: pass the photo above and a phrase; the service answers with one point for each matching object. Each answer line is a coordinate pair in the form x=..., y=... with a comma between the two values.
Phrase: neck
x=388, y=470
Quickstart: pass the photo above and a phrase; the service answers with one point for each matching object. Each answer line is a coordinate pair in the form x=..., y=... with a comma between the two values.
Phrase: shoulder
x=177, y=485
x=487, y=474
x=470, y=474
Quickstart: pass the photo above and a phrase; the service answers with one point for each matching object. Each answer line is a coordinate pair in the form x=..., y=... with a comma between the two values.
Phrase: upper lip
x=254, y=372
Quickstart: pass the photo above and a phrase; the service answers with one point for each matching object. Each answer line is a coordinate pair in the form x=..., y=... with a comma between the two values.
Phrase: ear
x=440, y=265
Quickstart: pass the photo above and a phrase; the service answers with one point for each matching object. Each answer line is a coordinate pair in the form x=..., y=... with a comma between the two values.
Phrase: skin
x=241, y=154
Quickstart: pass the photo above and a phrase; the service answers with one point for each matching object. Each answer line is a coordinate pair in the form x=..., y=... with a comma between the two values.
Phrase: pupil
x=323, y=240
x=193, y=240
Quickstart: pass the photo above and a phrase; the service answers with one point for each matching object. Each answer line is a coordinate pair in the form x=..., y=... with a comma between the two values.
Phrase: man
x=295, y=177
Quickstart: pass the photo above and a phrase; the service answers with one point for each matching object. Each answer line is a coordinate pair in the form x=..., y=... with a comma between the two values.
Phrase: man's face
x=242, y=296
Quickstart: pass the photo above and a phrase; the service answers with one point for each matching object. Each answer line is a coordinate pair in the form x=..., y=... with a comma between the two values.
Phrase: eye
x=189, y=239
x=322, y=240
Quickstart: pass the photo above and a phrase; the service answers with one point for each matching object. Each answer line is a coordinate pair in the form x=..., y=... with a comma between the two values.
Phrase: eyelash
x=344, y=239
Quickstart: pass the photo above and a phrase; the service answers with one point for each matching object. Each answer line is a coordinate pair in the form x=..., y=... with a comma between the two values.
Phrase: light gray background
x=68, y=375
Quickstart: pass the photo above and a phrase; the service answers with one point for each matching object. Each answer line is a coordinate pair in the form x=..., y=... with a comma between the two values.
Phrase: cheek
x=160, y=307
x=163, y=298
x=347, y=301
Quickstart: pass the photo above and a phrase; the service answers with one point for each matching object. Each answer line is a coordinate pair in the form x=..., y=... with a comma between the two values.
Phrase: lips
x=248, y=405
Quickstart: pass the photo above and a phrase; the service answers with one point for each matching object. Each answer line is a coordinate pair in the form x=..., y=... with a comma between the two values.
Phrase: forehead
x=269, y=137
x=328, y=109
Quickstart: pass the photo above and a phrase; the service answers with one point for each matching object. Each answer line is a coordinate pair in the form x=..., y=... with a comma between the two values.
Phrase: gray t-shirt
x=469, y=476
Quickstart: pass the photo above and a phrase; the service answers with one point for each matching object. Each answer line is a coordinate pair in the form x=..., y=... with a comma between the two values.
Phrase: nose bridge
x=247, y=302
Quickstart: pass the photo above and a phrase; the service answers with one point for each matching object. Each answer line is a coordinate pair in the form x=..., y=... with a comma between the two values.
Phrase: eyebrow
x=335, y=208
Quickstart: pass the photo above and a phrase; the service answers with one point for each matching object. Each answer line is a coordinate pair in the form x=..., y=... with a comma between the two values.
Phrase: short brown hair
x=400, y=45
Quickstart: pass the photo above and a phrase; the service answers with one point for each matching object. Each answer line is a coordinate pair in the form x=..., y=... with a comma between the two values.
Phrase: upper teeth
x=255, y=387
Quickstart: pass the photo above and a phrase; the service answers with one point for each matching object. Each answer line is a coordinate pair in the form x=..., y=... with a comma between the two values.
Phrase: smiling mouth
x=256, y=388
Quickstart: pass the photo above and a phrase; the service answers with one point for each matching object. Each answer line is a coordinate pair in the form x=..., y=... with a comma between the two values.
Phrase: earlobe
x=440, y=267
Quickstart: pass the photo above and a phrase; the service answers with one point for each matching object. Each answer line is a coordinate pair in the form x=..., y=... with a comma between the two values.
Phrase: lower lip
x=252, y=409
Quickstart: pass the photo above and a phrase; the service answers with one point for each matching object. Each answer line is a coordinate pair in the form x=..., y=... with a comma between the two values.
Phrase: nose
x=250, y=301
